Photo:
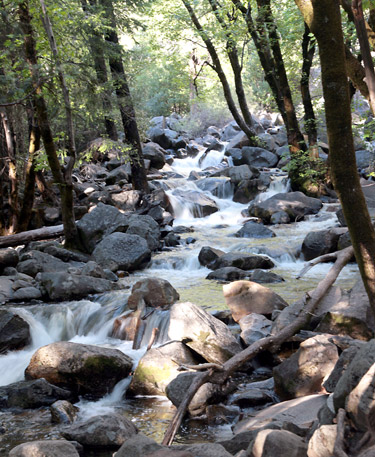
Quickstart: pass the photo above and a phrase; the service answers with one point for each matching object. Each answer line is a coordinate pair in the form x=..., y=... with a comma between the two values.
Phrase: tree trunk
x=139, y=178
x=66, y=189
x=324, y=20
x=43, y=233
x=217, y=67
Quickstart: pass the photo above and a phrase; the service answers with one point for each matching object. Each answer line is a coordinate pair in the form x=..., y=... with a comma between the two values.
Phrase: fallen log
x=271, y=343
x=43, y=233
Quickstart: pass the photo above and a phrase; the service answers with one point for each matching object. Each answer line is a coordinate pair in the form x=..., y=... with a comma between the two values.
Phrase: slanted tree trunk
x=139, y=178
x=324, y=19
x=217, y=67
x=66, y=190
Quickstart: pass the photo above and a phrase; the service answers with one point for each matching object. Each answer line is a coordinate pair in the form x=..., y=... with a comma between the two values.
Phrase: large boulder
x=122, y=251
x=254, y=327
x=304, y=372
x=228, y=274
x=246, y=191
x=158, y=367
x=295, y=204
x=154, y=292
x=238, y=173
x=286, y=443
x=205, y=334
x=32, y=262
x=64, y=286
x=321, y=242
x=164, y=137
x=246, y=297
x=241, y=260
x=31, y=394
x=8, y=258
x=200, y=204
x=322, y=442
x=107, y=430
x=101, y=221
x=146, y=227
x=259, y=157
x=139, y=445
x=208, y=255
x=127, y=200
x=50, y=448
x=220, y=186
x=155, y=154
x=85, y=369
x=14, y=332
x=252, y=229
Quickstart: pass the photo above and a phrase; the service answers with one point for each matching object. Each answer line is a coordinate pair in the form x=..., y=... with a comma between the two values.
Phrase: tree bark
x=139, y=178
x=43, y=233
x=324, y=19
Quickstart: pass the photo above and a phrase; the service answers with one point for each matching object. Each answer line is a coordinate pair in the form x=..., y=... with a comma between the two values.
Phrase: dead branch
x=338, y=450
x=270, y=343
x=43, y=233
x=200, y=367
x=321, y=259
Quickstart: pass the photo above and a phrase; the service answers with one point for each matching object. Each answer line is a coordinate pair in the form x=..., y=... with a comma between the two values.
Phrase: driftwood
x=270, y=343
x=43, y=233
x=332, y=256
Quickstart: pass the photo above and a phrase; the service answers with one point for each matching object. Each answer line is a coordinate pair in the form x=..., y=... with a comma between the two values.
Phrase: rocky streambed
x=75, y=327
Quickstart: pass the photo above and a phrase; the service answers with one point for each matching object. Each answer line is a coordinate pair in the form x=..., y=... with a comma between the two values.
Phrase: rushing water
x=90, y=321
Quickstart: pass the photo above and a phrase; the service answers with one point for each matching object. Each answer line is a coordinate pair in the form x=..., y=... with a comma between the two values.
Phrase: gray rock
x=208, y=255
x=246, y=297
x=63, y=412
x=322, y=442
x=153, y=292
x=321, y=242
x=265, y=277
x=238, y=173
x=259, y=157
x=27, y=294
x=280, y=217
x=241, y=260
x=50, y=448
x=220, y=186
x=86, y=369
x=127, y=200
x=33, y=262
x=205, y=334
x=254, y=327
x=91, y=268
x=254, y=230
x=8, y=258
x=121, y=173
x=138, y=445
x=230, y=131
x=146, y=227
x=248, y=190
x=155, y=153
x=364, y=158
x=101, y=221
x=206, y=450
x=304, y=372
x=107, y=430
x=14, y=332
x=122, y=251
x=287, y=444
x=201, y=205
x=228, y=274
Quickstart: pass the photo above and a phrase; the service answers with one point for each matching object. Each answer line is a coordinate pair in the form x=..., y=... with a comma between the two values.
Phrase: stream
x=89, y=321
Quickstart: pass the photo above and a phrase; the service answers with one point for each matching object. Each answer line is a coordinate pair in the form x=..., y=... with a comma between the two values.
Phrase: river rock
x=127, y=200
x=254, y=327
x=254, y=230
x=14, y=332
x=245, y=297
x=32, y=262
x=63, y=412
x=245, y=191
x=242, y=261
x=163, y=137
x=107, y=430
x=208, y=255
x=155, y=154
x=6, y=289
x=238, y=173
x=154, y=292
x=300, y=412
x=145, y=227
x=65, y=286
x=322, y=442
x=31, y=394
x=138, y=445
x=286, y=443
x=205, y=395
x=8, y=258
x=50, y=448
x=261, y=276
x=321, y=242
x=85, y=369
x=295, y=204
x=304, y=372
x=205, y=334
x=220, y=186
x=101, y=221
x=228, y=274
x=201, y=205
x=121, y=173
x=122, y=251
x=204, y=450
x=259, y=157
x=158, y=367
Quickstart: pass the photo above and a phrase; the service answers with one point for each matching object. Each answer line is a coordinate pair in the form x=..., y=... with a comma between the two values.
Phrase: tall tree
x=324, y=19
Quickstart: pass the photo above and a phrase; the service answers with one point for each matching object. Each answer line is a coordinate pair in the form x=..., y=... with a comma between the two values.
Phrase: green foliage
x=307, y=173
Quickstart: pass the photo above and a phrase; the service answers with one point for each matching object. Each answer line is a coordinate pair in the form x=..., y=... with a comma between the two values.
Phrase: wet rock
x=101, y=221
x=208, y=255
x=31, y=394
x=206, y=450
x=63, y=412
x=205, y=395
x=201, y=205
x=122, y=251
x=85, y=369
x=259, y=157
x=8, y=258
x=238, y=173
x=93, y=269
x=127, y=200
x=228, y=274
x=65, y=286
x=163, y=137
x=247, y=190
x=154, y=292
x=147, y=228
x=280, y=217
x=304, y=372
x=245, y=297
x=155, y=153
x=32, y=262
x=287, y=444
x=322, y=442
x=221, y=414
x=27, y=294
x=158, y=367
x=6, y=290
x=14, y=332
x=295, y=204
x=230, y=131
x=50, y=448
x=252, y=397
x=220, y=187
x=261, y=277
x=254, y=327
x=242, y=261
x=107, y=430
x=138, y=445
x=121, y=173
x=205, y=334
x=254, y=230
x=171, y=240
x=321, y=242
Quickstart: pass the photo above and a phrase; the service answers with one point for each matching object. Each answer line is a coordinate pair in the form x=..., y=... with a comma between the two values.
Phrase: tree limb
x=321, y=259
